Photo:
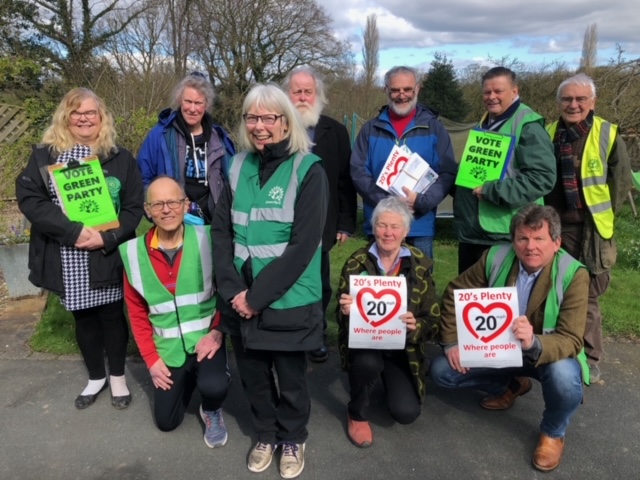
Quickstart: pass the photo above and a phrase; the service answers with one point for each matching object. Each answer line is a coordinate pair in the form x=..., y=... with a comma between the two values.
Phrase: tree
x=245, y=41
x=441, y=91
x=370, y=52
x=63, y=32
x=589, y=49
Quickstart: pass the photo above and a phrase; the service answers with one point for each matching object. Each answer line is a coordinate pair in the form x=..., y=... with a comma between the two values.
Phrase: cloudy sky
x=536, y=32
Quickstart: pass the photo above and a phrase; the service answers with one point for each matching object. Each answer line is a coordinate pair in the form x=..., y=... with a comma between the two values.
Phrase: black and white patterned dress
x=78, y=293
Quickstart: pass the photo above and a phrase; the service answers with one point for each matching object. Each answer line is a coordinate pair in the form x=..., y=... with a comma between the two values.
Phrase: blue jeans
x=561, y=383
x=424, y=244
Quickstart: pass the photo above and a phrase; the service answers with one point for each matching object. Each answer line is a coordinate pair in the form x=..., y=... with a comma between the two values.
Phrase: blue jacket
x=426, y=136
x=163, y=153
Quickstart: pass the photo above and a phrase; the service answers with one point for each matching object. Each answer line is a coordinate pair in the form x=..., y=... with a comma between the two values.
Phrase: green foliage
x=441, y=91
x=133, y=128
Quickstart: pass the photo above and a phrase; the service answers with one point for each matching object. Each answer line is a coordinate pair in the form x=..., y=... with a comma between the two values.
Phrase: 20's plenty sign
x=484, y=318
x=377, y=305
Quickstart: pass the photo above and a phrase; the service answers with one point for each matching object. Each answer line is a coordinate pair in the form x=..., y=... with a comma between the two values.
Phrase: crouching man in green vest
x=552, y=287
x=593, y=180
x=170, y=297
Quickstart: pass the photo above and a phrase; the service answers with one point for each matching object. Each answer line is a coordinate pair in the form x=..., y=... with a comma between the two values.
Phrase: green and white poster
x=84, y=194
x=484, y=158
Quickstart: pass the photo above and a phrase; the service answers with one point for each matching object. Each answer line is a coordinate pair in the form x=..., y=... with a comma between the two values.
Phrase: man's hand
x=341, y=238
x=410, y=200
x=240, y=305
x=453, y=355
x=208, y=345
x=89, y=239
x=160, y=375
x=523, y=331
x=409, y=320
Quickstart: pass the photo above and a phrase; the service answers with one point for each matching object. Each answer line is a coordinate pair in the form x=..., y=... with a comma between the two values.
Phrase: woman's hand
x=409, y=320
x=345, y=303
x=241, y=306
x=89, y=239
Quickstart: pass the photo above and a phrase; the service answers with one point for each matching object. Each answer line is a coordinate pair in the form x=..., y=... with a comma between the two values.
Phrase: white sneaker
x=292, y=460
x=260, y=457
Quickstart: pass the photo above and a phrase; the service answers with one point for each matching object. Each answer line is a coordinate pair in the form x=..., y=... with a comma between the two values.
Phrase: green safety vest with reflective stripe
x=593, y=171
x=263, y=219
x=179, y=321
x=496, y=218
x=500, y=259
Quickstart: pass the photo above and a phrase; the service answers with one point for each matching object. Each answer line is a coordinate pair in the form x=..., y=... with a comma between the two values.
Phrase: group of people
x=239, y=250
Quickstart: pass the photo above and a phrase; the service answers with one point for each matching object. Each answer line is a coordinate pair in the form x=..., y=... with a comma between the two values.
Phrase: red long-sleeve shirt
x=138, y=307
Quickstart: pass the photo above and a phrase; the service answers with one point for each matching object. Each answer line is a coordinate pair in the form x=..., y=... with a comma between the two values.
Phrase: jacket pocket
x=607, y=253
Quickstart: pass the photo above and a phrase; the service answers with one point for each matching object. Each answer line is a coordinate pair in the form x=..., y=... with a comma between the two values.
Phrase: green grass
x=55, y=332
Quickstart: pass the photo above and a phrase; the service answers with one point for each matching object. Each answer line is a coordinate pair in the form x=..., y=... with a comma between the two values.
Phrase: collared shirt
x=404, y=252
x=524, y=284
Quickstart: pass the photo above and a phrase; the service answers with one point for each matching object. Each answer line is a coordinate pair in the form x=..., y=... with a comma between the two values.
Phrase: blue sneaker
x=215, y=433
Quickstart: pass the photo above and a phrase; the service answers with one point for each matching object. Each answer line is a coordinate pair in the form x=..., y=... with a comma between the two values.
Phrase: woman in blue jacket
x=186, y=145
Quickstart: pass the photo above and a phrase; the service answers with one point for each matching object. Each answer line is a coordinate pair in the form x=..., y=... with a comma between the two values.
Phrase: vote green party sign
x=484, y=158
x=84, y=194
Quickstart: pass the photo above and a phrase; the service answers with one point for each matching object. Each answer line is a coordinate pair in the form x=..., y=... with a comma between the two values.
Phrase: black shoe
x=84, y=401
x=120, y=403
x=319, y=355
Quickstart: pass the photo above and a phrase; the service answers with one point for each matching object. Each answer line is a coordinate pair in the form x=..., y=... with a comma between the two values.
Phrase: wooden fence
x=13, y=123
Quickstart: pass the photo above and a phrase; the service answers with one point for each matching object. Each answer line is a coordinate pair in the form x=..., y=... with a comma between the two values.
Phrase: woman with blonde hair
x=79, y=263
x=267, y=231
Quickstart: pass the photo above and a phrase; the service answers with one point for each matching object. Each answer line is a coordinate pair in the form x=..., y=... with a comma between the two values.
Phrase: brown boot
x=548, y=453
x=359, y=433
x=508, y=398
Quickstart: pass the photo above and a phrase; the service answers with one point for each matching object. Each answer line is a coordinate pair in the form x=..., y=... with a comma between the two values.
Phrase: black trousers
x=366, y=367
x=210, y=376
x=102, y=329
x=279, y=413
x=468, y=254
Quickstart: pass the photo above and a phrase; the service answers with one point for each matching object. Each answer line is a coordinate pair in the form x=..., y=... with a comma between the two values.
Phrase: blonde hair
x=270, y=97
x=58, y=135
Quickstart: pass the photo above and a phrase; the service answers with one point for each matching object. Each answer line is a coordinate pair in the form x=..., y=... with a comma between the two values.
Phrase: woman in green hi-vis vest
x=267, y=231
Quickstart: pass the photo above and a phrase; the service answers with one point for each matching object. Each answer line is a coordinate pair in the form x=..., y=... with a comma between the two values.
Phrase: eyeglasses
x=398, y=91
x=89, y=114
x=159, y=206
x=566, y=101
x=269, y=119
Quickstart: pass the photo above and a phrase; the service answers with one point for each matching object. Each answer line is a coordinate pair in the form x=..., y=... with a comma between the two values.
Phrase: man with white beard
x=331, y=143
x=403, y=122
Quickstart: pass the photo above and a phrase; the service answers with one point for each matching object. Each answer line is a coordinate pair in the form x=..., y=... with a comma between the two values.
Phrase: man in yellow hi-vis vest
x=592, y=181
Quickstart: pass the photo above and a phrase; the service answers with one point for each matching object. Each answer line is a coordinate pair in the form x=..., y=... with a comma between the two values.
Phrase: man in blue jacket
x=403, y=122
x=186, y=145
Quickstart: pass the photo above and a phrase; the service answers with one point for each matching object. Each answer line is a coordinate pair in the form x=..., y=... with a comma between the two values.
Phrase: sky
x=536, y=32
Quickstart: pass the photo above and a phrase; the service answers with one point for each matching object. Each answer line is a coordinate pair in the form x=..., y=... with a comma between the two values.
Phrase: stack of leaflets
x=405, y=169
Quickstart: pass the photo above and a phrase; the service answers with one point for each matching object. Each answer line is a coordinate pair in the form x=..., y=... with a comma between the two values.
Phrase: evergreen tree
x=441, y=91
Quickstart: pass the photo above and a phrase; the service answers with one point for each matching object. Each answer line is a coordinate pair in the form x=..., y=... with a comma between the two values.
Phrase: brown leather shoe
x=548, y=453
x=508, y=398
x=359, y=433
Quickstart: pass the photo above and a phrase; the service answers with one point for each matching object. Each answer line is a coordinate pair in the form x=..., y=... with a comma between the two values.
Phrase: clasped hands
x=241, y=306
x=345, y=308
x=89, y=239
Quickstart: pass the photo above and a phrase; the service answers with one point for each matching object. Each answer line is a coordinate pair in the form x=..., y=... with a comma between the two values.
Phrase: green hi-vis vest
x=593, y=171
x=496, y=218
x=179, y=321
x=263, y=218
x=499, y=262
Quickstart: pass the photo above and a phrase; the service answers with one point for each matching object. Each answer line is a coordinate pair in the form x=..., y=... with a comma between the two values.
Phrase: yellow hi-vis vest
x=593, y=173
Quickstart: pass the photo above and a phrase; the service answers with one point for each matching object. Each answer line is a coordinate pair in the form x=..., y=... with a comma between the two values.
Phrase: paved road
x=44, y=437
